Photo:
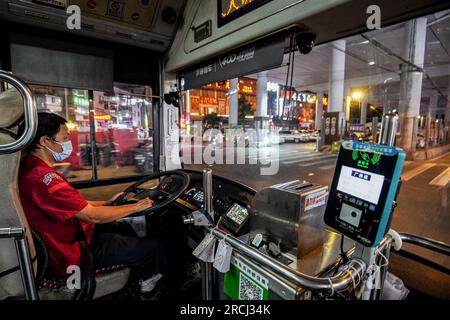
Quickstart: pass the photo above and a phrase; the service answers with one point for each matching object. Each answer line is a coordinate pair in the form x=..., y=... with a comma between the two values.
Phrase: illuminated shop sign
x=244, y=86
x=80, y=101
x=105, y=117
x=229, y=10
x=302, y=97
x=247, y=89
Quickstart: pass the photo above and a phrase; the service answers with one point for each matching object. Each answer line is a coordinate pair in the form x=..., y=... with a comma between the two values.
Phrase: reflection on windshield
x=123, y=129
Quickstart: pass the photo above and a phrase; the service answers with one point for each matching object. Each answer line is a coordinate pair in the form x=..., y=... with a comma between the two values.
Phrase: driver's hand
x=143, y=205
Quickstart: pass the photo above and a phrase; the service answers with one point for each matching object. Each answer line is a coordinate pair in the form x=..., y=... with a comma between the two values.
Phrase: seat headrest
x=11, y=108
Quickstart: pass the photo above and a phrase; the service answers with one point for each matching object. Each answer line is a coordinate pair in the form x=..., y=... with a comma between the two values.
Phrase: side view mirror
x=172, y=98
x=16, y=103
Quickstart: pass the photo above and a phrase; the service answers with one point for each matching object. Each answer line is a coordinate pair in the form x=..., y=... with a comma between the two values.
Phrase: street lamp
x=357, y=95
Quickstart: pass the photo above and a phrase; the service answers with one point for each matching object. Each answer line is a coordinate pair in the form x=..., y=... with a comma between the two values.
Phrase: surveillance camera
x=305, y=42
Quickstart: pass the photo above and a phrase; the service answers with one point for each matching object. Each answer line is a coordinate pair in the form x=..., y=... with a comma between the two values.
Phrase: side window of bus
x=122, y=131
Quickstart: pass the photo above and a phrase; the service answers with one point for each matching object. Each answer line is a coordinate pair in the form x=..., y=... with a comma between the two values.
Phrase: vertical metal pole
x=387, y=136
x=207, y=190
x=383, y=272
x=161, y=128
x=207, y=200
x=369, y=255
x=26, y=268
x=156, y=107
x=388, y=129
x=92, y=134
x=206, y=281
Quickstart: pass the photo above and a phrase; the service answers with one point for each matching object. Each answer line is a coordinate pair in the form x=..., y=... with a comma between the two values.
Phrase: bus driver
x=51, y=204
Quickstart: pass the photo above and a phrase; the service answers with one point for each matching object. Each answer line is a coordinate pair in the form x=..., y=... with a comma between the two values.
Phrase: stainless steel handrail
x=30, y=114
x=23, y=255
x=207, y=190
x=433, y=245
x=354, y=270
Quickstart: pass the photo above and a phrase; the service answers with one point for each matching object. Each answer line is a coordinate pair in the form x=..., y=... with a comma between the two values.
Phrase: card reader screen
x=361, y=184
x=237, y=213
x=350, y=215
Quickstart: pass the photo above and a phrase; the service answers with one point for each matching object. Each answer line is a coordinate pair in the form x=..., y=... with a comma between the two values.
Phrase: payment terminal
x=363, y=191
x=235, y=217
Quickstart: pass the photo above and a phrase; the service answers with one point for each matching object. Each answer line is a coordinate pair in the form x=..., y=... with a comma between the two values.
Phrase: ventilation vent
x=35, y=14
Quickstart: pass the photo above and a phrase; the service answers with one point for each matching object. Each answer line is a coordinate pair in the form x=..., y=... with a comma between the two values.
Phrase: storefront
x=213, y=98
x=290, y=107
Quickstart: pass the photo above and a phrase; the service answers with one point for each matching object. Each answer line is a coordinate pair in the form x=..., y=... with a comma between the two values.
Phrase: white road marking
x=279, y=156
x=442, y=179
x=317, y=162
x=306, y=159
x=409, y=174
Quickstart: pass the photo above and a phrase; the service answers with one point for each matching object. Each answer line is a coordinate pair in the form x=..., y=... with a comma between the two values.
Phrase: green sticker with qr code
x=243, y=283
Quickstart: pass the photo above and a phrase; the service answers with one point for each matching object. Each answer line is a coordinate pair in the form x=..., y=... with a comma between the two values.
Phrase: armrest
x=87, y=266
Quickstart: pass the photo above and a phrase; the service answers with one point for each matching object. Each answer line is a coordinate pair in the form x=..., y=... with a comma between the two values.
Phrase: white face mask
x=65, y=153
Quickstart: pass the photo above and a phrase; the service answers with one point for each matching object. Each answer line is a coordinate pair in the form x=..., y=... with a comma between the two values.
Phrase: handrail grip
x=30, y=114
x=341, y=281
x=430, y=244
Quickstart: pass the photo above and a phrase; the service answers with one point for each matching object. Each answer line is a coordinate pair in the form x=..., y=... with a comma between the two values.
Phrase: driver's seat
x=12, y=216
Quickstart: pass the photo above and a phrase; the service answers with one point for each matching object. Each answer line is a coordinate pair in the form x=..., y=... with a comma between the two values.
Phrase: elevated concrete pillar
x=233, y=102
x=261, y=94
x=363, y=104
x=447, y=110
x=447, y=117
x=337, y=77
x=319, y=111
x=411, y=84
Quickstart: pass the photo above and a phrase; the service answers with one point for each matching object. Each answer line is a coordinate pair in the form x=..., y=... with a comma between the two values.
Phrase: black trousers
x=165, y=251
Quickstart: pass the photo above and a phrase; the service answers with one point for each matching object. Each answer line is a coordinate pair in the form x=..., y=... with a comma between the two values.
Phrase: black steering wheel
x=162, y=194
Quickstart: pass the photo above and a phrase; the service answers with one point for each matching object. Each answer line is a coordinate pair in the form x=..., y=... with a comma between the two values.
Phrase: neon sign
x=105, y=117
x=228, y=10
x=80, y=101
x=247, y=89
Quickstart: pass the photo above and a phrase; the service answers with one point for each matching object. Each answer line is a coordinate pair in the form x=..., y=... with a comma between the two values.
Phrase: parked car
x=293, y=136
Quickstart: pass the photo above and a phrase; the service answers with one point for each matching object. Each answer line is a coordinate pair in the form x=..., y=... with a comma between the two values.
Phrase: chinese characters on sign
x=204, y=70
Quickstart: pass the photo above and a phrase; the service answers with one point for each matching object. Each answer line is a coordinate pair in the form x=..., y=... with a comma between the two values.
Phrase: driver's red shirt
x=50, y=203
